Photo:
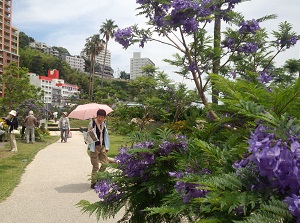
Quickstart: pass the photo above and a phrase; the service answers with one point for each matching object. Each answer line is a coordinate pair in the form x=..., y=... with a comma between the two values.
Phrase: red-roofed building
x=57, y=92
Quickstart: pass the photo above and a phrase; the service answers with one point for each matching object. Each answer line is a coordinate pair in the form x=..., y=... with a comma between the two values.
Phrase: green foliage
x=17, y=88
x=24, y=40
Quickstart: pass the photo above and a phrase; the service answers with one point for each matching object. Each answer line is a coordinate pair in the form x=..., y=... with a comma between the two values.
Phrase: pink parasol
x=88, y=111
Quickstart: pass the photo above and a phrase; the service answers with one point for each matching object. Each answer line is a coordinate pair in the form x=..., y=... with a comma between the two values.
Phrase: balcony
x=7, y=3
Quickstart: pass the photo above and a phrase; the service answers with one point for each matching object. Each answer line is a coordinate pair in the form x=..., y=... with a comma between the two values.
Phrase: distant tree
x=37, y=65
x=293, y=66
x=108, y=31
x=124, y=75
x=149, y=70
x=24, y=40
x=94, y=45
x=17, y=87
x=61, y=50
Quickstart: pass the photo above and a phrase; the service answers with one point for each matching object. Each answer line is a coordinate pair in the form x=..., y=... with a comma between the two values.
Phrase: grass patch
x=76, y=123
x=116, y=141
x=13, y=164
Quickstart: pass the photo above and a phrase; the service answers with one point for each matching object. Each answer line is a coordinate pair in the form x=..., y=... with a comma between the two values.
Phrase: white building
x=136, y=65
x=57, y=92
x=75, y=62
x=100, y=58
x=45, y=83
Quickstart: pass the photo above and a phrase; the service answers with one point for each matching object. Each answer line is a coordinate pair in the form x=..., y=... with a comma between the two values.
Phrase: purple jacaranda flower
x=250, y=26
x=124, y=36
x=248, y=48
x=190, y=25
x=267, y=160
x=229, y=43
x=108, y=191
x=189, y=191
x=295, y=148
x=178, y=175
x=134, y=164
x=287, y=41
x=293, y=202
x=264, y=78
x=192, y=67
x=176, y=144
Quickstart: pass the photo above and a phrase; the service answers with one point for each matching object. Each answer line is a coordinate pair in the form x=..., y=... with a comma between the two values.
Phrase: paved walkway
x=51, y=186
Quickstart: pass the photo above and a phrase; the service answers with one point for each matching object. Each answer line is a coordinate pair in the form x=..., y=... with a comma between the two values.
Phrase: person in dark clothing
x=23, y=127
x=12, y=122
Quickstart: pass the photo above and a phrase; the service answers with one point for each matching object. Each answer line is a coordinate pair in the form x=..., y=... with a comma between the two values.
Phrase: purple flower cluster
x=124, y=36
x=107, y=191
x=134, y=164
x=183, y=13
x=294, y=205
x=277, y=159
x=250, y=26
x=177, y=144
x=229, y=43
x=192, y=67
x=248, y=48
x=136, y=160
x=187, y=190
x=287, y=41
x=264, y=78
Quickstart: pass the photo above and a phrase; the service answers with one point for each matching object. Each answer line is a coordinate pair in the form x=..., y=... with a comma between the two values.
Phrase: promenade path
x=51, y=186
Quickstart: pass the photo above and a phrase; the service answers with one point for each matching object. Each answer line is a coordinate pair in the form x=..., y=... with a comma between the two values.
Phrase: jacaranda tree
x=242, y=164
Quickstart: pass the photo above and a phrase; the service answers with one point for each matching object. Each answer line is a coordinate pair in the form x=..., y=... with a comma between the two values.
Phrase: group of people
x=13, y=124
x=98, y=149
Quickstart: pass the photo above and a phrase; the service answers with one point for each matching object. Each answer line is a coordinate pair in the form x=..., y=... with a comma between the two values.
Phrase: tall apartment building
x=75, y=62
x=99, y=61
x=9, y=44
x=100, y=58
x=136, y=64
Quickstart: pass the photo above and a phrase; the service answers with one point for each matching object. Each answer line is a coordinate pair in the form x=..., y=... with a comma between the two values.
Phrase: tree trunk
x=105, y=52
x=217, y=57
x=91, y=79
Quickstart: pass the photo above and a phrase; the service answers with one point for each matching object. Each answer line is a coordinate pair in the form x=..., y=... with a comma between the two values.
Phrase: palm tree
x=108, y=31
x=93, y=46
x=293, y=66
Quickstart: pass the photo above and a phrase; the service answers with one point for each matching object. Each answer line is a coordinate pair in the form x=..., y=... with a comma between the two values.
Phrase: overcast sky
x=67, y=23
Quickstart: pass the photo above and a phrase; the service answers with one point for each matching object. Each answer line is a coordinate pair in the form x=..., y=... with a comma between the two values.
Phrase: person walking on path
x=30, y=122
x=98, y=149
x=64, y=126
x=12, y=122
x=55, y=116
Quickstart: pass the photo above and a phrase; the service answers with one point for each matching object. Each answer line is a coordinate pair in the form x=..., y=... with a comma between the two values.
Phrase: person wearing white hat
x=12, y=121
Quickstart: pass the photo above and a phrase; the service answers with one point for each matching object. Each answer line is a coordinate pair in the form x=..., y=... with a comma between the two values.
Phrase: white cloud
x=68, y=23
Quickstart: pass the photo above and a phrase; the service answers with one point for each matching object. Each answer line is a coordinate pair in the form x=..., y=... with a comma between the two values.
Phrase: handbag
x=69, y=134
x=15, y=132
